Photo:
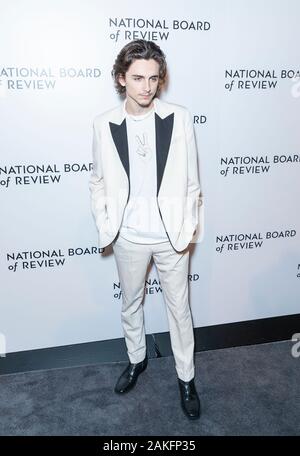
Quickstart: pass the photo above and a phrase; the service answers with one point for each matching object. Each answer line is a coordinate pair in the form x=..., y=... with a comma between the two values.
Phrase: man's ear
x=121, y=80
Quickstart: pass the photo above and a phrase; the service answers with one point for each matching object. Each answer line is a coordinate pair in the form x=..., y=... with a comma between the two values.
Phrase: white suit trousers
x=132, y=260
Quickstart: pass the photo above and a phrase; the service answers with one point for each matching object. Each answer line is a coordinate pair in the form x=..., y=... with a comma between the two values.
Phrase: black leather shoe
x=129, y=377
x=190, y=402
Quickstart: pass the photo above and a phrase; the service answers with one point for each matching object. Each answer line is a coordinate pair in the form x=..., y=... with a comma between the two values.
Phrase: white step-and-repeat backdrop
x=235, y=66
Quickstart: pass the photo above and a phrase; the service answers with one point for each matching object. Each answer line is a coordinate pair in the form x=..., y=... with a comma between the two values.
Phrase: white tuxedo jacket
x=178, y=188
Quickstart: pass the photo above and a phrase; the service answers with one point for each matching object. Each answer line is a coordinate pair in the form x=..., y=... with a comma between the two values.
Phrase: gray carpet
x=253, y=390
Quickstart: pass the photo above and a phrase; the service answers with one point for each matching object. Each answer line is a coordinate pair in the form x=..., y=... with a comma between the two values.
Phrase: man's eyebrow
x=141, y=76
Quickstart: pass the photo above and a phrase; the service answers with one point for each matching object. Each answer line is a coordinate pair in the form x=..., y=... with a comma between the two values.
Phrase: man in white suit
x=145, y=198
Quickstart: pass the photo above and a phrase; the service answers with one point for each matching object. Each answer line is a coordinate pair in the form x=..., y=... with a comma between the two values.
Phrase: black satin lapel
x=119, y=135
x=164, y=129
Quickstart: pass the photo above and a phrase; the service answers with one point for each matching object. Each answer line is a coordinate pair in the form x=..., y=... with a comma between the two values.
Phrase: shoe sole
x=192, y=417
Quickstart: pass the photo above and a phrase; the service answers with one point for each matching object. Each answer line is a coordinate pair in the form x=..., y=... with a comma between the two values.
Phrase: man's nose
x=147, y=85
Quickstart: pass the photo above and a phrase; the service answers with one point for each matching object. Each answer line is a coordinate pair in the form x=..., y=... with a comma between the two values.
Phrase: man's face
x=141, y=82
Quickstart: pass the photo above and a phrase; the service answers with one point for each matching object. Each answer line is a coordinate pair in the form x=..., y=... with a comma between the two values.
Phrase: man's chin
x=145, y=103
